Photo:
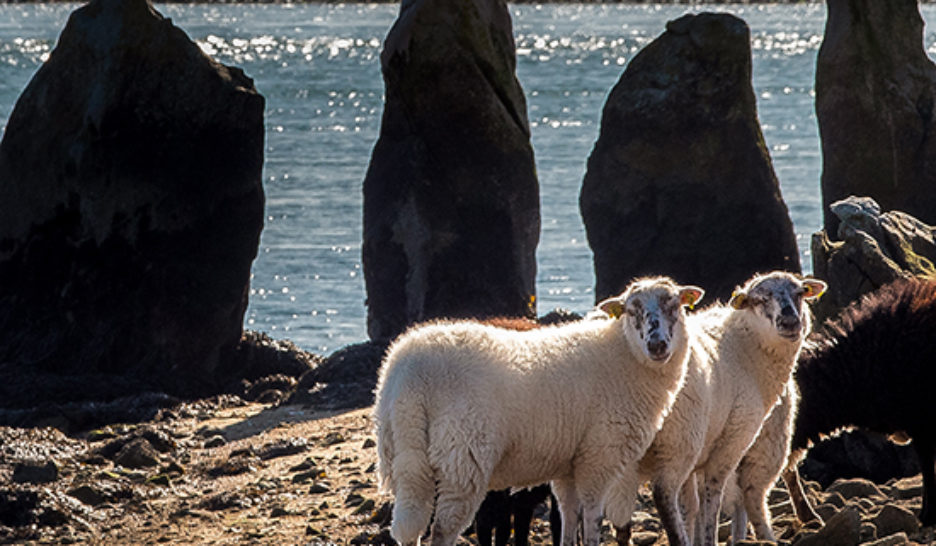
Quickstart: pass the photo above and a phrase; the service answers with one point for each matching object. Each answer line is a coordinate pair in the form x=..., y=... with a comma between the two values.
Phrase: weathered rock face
x=132, y=206
x=873, y=249
x=875, y=89
x=451, y=199
x=680, y=181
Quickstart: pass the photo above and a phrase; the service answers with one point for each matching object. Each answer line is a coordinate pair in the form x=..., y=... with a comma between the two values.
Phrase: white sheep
x=746, y=492
x=463, y=408
x=740, y=360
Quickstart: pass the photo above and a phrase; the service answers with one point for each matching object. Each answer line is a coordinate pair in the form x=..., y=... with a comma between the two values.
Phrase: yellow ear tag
x=614, y=308
x=738, y=299
x=813, y=289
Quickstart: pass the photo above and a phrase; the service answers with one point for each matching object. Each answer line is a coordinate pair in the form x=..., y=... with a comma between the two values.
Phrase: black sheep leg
x=494, y=513
x=523, y=504
x=555, y=519
x=925, y=450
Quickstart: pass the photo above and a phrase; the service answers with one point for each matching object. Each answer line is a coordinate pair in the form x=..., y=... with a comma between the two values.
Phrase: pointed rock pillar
x=680, y=181
x=131, y=208
x=451, y=198
x=875, y=90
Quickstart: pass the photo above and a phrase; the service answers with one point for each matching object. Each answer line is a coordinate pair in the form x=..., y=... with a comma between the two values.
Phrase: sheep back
x=524, y=400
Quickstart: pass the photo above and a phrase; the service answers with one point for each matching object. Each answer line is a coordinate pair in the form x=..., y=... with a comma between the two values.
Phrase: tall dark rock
x=680, y=181
x=451, y=199
x=875, y=88
x=131, y=208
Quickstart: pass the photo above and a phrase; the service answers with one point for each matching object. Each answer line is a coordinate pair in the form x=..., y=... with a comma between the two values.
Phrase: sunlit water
x=318, y=67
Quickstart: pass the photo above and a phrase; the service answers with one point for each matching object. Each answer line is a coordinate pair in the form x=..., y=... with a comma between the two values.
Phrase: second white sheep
x=740, y=362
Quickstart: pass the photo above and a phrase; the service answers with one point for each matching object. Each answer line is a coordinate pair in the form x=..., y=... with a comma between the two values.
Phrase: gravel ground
x=223, y=471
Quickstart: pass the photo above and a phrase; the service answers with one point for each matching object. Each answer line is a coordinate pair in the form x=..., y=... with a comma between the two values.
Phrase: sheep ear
x=690, y=296
x=813, y=288
x=614, y=307
x=739, y=300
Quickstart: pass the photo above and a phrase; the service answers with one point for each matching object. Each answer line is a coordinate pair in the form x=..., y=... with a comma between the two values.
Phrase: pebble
x=308, y=475
x=138, y=453
x=897, y=539
x=842, y=529
x=908, y=488
x=35, y=472
x=644, y=538
x=215, y=441
x=365, y=507
x=318, y=488
x=160, y=479
x=353, y=499
x=87, y=494
x=856, y=487
x=333, y=438
x=895, y=519
x=283, y=448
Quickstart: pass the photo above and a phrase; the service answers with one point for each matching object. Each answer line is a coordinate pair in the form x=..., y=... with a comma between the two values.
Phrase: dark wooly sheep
x=872, y=368
x=494, y=515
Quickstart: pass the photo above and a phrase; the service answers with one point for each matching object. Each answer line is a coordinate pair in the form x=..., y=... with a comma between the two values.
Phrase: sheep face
x=651, y=312
x=778, y=300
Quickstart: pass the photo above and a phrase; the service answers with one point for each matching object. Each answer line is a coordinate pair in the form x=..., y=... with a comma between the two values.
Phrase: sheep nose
x=788, y=323
x=657, y=348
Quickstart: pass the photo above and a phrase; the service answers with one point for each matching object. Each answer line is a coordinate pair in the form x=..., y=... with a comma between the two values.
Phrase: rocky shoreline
x=135, y=409
x=692, y=2
x=226, y=471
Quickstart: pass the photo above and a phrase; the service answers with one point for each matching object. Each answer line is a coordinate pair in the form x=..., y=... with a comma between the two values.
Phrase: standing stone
x=875, y=88
x=680, y=181
x=131, y=208
x=451, y=199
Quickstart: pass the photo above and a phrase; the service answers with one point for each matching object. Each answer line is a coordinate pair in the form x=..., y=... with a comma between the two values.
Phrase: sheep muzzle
x=657, y=348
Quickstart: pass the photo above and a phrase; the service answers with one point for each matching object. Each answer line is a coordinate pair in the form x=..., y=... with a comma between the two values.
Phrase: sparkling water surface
x=318, y=65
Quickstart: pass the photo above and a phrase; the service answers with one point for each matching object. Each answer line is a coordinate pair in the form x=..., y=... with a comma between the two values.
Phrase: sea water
x=318, y=65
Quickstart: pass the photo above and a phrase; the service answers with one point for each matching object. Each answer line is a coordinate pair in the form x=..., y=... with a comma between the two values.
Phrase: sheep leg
x=925, y=451
x=804, y=512
x=455, y=508
x=689, y=503
x=712, y=487
x=494, y=513
x=619, y=504
x=412, y=507
x=591, y=518
x=522, y=505
x=667, y=504
x=565, y=493
x=755, y=507
x=620, y=499
x=739, y=528
x=622, y=533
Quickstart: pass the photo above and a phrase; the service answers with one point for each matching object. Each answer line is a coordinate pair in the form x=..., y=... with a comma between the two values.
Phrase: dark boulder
x=875, y=89
x=131, y=209
x=680, y=181
x=870, y=249
x=451, y=198
x=345, y=379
